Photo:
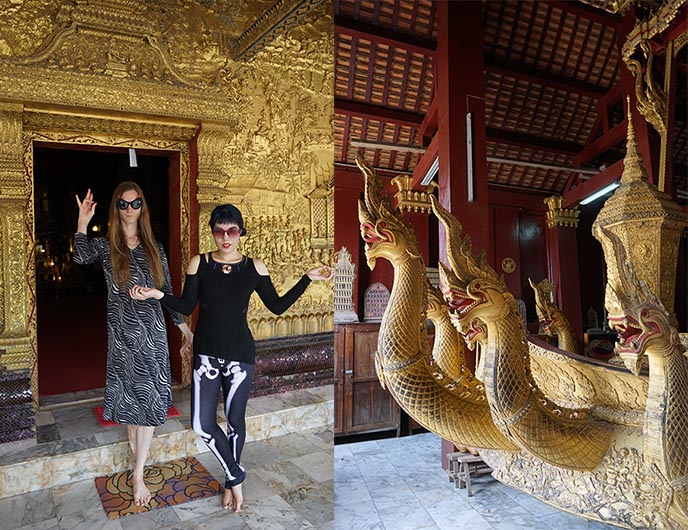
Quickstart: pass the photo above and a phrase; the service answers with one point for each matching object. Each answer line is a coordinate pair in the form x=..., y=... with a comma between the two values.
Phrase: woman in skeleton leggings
x=224, y=351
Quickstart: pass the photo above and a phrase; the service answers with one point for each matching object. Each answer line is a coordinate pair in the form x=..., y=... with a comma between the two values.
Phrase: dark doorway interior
x=72, y=334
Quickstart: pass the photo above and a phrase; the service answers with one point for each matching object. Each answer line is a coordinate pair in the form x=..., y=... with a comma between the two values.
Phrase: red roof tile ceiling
x=547, y=64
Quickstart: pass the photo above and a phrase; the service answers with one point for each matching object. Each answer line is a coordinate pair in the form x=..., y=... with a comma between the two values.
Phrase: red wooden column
x=460, y=89
x=562, y=254
x=348, y=188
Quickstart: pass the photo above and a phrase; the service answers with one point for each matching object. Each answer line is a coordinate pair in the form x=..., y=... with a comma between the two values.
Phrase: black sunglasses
x=135, y=204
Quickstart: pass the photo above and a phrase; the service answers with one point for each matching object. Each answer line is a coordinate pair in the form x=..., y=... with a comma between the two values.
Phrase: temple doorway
x=70, y=299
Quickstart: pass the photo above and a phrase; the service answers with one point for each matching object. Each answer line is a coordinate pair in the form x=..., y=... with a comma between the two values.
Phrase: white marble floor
x=289, y=487
x=399, y=484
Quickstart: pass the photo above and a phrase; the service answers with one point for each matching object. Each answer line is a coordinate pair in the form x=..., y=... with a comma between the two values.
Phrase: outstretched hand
x=321, y=273
x=86, y=210
x=145, y=293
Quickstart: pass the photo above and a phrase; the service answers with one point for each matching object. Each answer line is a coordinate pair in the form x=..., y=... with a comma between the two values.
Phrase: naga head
x=384, y=231
x=636, y=313
x=546, y=311
x=436, y=305
x=472, y=289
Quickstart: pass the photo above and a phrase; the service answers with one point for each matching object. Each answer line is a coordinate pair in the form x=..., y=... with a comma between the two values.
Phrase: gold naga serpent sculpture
x=645, y=330
x=553, y=320
x=487, y=314
x=403, y=360
x=558, y=461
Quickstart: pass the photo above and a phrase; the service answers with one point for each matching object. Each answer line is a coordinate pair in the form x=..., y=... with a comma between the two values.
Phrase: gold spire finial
x=633, y=164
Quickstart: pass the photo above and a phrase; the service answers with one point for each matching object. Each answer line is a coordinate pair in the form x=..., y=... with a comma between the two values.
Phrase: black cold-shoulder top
x=222, y=330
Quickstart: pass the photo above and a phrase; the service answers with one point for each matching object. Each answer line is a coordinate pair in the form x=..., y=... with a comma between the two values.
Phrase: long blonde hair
x=119, y=251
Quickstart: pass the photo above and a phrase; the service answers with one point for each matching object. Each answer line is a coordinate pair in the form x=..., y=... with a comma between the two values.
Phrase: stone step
x=71, y=445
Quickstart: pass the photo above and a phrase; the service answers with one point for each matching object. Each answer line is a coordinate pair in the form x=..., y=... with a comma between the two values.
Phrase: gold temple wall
x=128, y=73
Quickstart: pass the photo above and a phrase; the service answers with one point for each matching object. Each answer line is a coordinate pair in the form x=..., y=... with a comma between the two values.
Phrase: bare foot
x=228, y=499
x=238, y=497
x=142, y=495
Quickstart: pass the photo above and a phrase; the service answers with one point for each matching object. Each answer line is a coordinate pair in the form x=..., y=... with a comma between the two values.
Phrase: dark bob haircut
x=227, y=214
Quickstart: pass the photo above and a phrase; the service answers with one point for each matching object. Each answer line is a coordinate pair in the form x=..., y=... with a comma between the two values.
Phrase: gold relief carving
x=622, y=490
x=275, y=162
x=412, y=200
x=680, y=42
x=282, y=16
x=647, y=29
x=170, y=133
x=557, y=215
x=570, y=383
x=212, y=146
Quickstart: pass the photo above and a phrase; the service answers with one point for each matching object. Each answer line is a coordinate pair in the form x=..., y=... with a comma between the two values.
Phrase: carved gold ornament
x=164, y=76
x=557, y=215
x=508, y=265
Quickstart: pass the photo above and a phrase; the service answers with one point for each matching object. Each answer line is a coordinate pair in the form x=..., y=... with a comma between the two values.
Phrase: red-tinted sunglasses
x=232, y=232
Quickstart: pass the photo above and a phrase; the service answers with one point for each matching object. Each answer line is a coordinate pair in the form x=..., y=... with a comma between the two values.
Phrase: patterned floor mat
x=170, y=483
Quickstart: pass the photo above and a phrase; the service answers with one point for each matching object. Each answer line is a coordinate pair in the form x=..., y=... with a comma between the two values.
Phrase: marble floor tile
x=288, y=447
x=561, y=520
x=76, y=421
x=153, y=520
x=50, y=524
x=89, y=520
x=404, y=486
x=76, y=497
x=199, y=508
x=44, y=417
x=27, y=509
x=273, y=513
x=349, y=492
x=315, y=502
x=221, y=521
x=282, y=477
x=357, y=516
x=407, y=516
x=317, y=465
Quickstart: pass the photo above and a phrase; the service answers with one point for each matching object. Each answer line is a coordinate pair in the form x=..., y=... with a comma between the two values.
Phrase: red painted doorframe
x=175, y=243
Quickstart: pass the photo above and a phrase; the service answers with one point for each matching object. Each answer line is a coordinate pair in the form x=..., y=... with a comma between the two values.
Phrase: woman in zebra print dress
x=137, y=380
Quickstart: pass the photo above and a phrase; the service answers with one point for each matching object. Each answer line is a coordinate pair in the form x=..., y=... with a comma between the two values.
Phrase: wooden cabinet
x=361, y=404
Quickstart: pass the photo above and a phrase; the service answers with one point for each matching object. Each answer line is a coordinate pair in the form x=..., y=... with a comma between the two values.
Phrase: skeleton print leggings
x=235, y=378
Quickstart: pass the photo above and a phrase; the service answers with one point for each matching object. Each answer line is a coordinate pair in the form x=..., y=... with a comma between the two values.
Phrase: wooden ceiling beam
x=532, y=142
x=555, y=81
x=374, y=112
x=587, y=188
x=585, y=11
x=380, y=35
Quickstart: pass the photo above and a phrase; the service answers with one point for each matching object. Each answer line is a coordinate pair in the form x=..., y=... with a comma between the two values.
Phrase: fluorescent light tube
x=599, y=193
x=469, y=154
x=432, y=171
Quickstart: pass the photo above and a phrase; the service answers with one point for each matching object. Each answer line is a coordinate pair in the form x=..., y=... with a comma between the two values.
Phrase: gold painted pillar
x=562, y=257
x=17, y=307
x=17, y=290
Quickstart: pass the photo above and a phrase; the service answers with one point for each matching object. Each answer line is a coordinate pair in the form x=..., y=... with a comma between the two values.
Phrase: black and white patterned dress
x=137, y=378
